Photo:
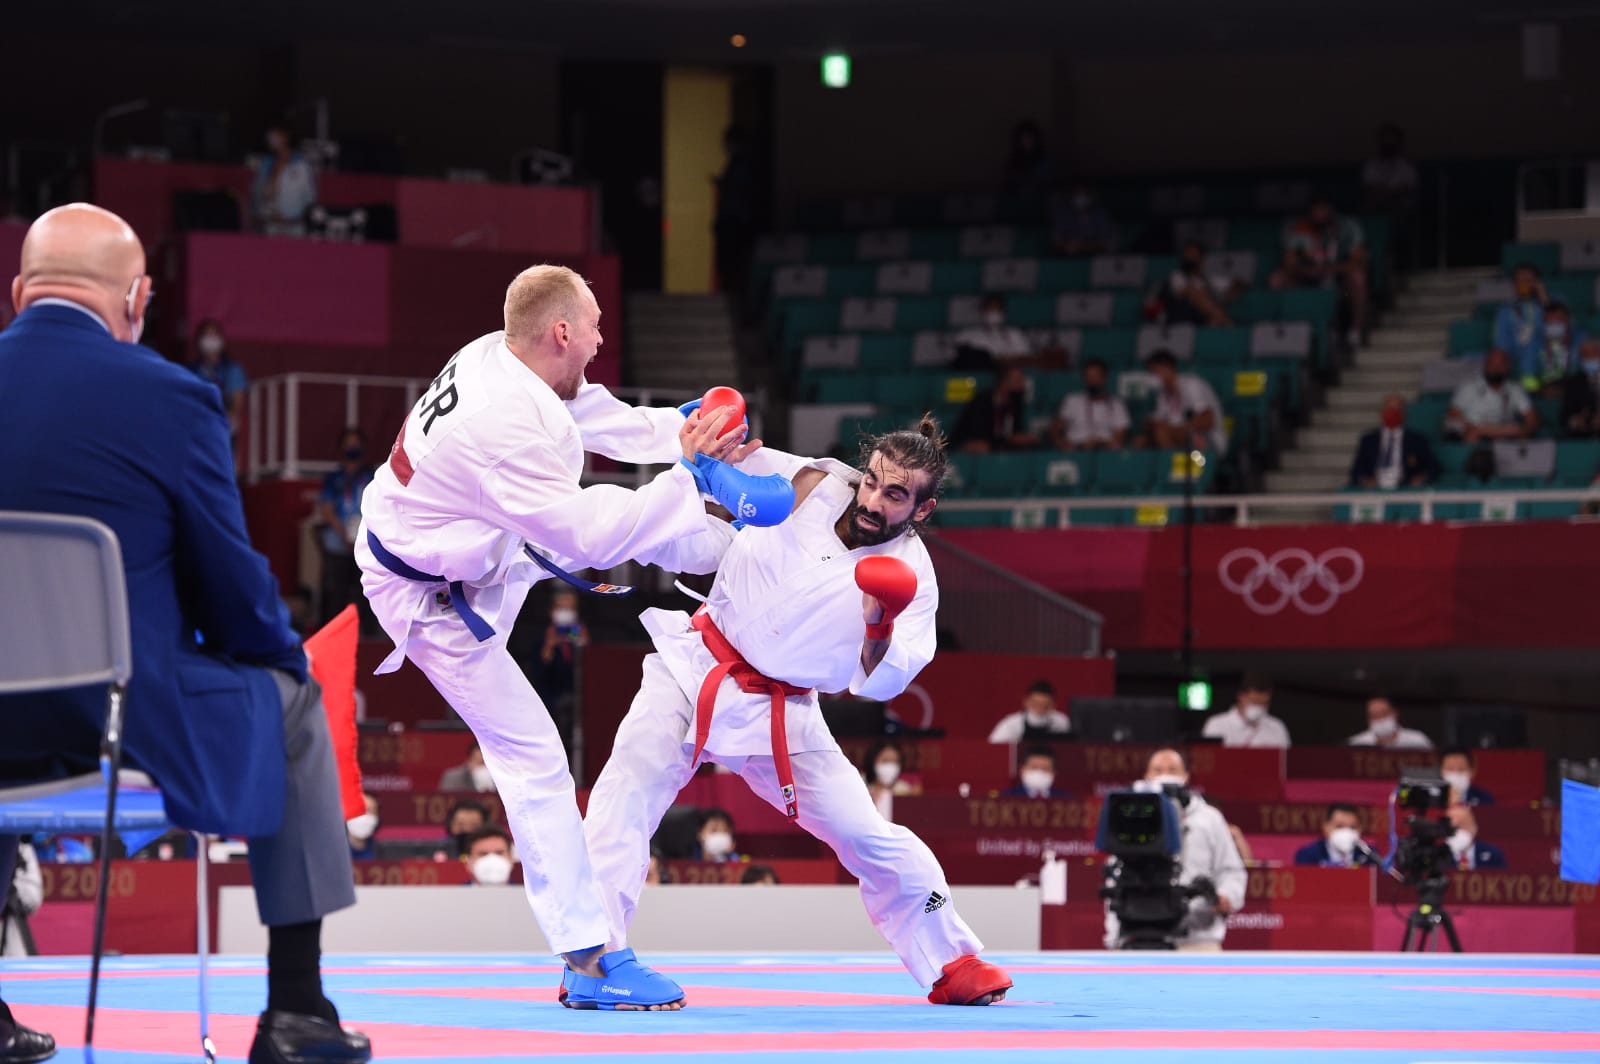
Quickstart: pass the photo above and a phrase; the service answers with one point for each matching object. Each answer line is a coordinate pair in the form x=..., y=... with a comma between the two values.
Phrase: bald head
x=88, y=255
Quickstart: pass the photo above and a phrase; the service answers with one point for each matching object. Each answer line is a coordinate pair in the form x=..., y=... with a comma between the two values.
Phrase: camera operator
x=1208, y=853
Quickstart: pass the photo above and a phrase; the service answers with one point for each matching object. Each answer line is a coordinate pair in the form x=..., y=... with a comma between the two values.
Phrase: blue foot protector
x=626, y=982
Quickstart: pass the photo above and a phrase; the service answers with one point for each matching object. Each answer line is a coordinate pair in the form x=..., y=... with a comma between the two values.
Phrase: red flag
x=333, y=664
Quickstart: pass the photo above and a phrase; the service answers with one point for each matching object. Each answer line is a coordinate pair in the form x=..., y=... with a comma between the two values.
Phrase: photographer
x=1208, y=853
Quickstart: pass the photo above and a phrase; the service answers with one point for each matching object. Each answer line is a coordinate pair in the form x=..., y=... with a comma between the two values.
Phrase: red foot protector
x=966, y=979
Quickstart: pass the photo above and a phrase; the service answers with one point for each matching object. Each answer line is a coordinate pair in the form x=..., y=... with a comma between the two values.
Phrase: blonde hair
x=540, y=296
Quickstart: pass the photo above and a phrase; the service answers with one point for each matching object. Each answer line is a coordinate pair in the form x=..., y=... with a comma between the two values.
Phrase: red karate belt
x=731, y=663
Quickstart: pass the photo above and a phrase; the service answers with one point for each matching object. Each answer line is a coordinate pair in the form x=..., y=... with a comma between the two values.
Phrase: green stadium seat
x=1050, y=387
x=1222, y=345
x=1545, y=256
x=1577, y=462
x=1425, y=414
x=1065, y=474
x=995, y=518
x=1548, y=511
x=1576, y=290
x=1064, y=275
x=1031, y=311
x=1007, y=475
x=1115, y=346
x=835, y=387
x=885, y=352
x=1108, y=517
x=901, y=390
x=1124, y=472
x=1254, y=306
x=1470, y=337
x=957, y=277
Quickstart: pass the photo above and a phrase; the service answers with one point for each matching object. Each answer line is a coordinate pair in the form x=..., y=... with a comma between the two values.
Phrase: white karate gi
x=488, y=460
x=787, y=600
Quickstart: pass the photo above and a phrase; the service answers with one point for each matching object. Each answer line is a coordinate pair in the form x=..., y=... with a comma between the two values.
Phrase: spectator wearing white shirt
x=1037, y=720
x=1092, y=419
x=1187, y=413
x=1491, y=407
x=1389, y=180
x=994, y=338
x=1393, y=456
x=1383, y=729
x=1249, y=723
x=1191, y=296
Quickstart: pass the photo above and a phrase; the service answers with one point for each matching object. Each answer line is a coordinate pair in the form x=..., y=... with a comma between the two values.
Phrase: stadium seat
x=904, y=279
x=1577, y=463
x=1010, y=275
x=1471, y=337
x=1124, y=472
x=1546, y=257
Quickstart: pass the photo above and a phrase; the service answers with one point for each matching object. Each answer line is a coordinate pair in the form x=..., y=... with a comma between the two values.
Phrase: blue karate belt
x=457, y=592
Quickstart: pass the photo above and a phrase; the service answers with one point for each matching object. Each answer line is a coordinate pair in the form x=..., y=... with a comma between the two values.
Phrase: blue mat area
x=1077, y=1007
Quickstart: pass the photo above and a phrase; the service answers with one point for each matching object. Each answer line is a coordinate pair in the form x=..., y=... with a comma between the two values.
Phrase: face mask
x=1038, y=781
x=363, y=827
x=1460, y=842
x=887, y=772
x=210, y=345
x=1458, y=781
x=1253, y=713
x=481, y=780
x=492, y=870
x=1343, y=840
x=1094, y=391
x=1556, y=330
x=994, y=318
x=564, y=618
x=717, y=844
x=1037, y=720
x=1163, y=782
x=1393, y=419
x=1495, y=379
x=353, y=454
x=135, y=318
x=1384, y=727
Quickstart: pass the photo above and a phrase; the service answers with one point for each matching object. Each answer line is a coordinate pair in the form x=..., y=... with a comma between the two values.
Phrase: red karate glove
x=892, y=583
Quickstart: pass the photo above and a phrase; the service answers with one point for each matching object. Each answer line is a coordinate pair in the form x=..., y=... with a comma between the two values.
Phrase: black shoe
x=18, y=1045
x=294, y=1038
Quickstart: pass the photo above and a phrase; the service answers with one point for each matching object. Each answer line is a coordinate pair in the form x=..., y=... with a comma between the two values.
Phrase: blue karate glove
x=758, y=501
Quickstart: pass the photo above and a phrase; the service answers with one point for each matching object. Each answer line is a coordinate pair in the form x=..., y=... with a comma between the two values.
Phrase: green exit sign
x=836, y=70
x=1195, y=695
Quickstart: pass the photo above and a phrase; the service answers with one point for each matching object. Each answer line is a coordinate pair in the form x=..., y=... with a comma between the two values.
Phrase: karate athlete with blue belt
x=479, y=500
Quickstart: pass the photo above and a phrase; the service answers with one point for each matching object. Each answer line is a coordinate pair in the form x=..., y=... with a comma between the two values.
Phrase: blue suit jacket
x=113, y=431
x=1317, y=853
x=1416, y=457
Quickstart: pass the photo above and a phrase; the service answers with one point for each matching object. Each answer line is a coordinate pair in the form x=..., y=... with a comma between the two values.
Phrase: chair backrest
x=68, y=601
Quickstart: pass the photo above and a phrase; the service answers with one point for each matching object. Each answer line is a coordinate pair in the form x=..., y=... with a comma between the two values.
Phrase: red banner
x=1323, y=586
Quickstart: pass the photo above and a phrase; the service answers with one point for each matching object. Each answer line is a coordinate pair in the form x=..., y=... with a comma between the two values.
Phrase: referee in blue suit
x=222, y=712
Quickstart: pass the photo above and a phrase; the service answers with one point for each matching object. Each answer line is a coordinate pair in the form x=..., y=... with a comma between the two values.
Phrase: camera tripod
x=1429, y=916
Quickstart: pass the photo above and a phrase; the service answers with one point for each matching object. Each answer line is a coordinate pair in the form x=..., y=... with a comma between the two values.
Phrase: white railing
x=1496, y=505
x=275, y=409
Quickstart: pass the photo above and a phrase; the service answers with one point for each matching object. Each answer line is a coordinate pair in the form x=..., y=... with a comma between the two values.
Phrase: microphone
x=1377, y=861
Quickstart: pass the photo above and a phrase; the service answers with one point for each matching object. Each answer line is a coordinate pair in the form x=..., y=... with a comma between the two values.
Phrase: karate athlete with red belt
x=841, y=596
x=480, y=499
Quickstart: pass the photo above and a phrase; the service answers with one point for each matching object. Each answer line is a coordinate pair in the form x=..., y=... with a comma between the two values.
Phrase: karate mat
x=1231, y=1008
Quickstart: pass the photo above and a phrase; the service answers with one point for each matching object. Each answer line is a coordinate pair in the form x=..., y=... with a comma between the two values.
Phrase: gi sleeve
x=911, y=646
x=644, y=435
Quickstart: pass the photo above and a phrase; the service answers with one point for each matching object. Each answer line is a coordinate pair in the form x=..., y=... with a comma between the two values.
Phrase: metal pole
x=1188, y=566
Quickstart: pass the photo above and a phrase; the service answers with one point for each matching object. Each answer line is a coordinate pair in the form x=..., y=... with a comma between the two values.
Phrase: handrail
x=998, y=577
x=1243, y=505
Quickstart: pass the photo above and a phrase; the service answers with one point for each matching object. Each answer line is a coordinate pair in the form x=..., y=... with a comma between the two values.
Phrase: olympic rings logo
x=1311, y=583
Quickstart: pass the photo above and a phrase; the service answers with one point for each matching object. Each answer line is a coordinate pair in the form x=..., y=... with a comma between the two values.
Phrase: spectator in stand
x=1187, y=413
x=1491, y=407
x=1208, y=851
x=1519, y=324
x=465, y=819
x=1079, y=225
x=363, y=830
x=1457, y=767
x=1191, y=296
x=23, y=896
x=992, y=343
x=1036, y=776
x=1249, y=723
x=1383, y=729
x=1093, y=419
x=1340, y=845
x=759, y=875
x=883, y=769
x=1325, y=250
x=657, y=873
x=997, y=419
x=211, y=362
x=715, y=841
x=471, y=775
x=1393, y=456
x=1027, y=172
x=1389, y=180
x=490, y=857
x=1557, y=354
x=1580, y=398
x=1469, y=851
x=1038, y=719
x=285, y=187
x=339, y=522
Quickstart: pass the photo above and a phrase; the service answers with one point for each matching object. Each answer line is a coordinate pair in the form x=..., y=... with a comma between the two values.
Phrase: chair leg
x=202, y=891
x=110, y=768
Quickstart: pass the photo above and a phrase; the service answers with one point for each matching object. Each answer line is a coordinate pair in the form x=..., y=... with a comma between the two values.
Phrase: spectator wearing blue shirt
x=1340, y=845
x=1519, y=325
x=211, y=362
x=285, y=187
x=339, y=519
x=1036, y=776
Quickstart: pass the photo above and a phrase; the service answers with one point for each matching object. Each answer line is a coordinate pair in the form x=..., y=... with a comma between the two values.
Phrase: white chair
x=64, y=574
